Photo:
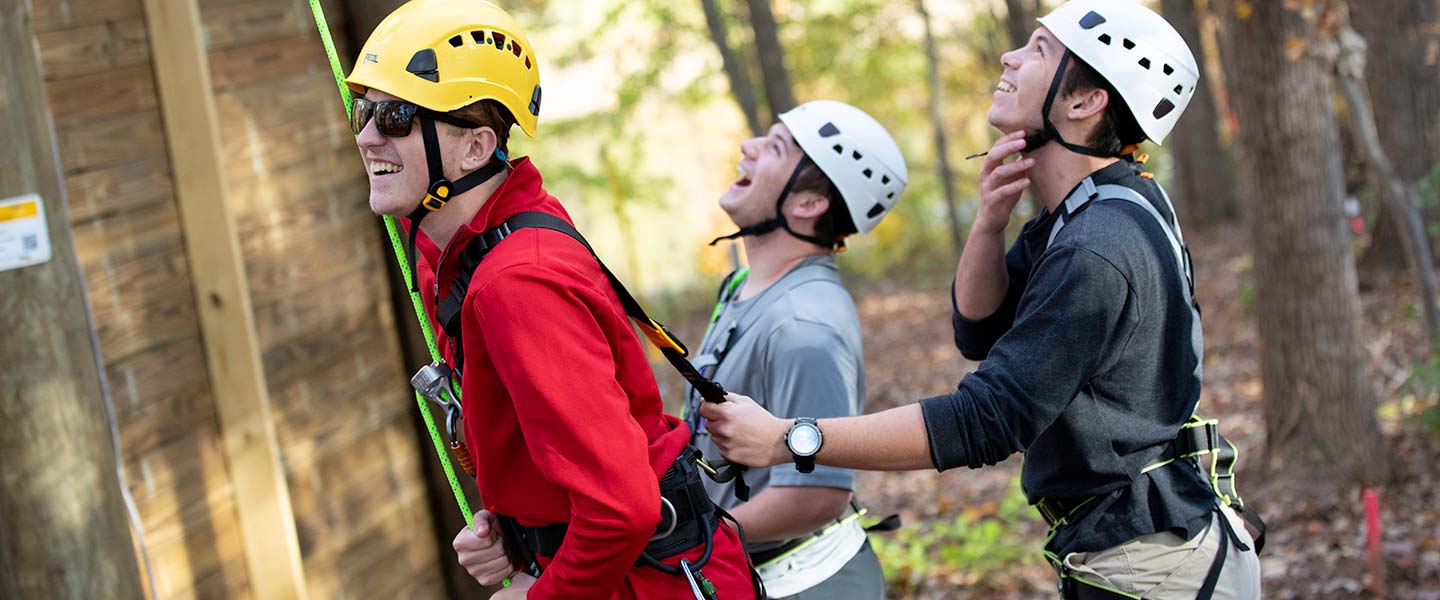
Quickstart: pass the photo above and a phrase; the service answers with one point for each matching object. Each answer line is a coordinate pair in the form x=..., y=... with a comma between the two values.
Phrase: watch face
x=804, y=439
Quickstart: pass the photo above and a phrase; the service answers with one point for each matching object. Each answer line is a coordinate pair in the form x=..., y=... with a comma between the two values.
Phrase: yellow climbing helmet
x=447, y=54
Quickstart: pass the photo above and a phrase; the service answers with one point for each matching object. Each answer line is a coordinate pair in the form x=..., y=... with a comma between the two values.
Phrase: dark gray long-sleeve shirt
x=1089, y=369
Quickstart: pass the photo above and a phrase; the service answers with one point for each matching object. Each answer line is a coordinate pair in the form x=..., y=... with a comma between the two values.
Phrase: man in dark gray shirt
x=786, y=330
x=1088, y=329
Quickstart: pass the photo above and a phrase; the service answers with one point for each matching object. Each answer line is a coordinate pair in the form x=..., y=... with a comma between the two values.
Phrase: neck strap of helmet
x=778, y=221
x=1051, y=133
x=441, y=190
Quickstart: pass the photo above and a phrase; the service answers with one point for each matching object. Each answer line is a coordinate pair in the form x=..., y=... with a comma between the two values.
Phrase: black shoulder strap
x=448, y=307
x=448, y=313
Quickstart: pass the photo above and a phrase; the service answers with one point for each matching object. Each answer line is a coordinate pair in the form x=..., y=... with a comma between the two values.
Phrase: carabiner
x=452, y=417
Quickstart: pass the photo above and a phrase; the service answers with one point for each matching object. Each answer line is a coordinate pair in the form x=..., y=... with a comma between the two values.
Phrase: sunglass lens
x=394, y=118
x=360, y=112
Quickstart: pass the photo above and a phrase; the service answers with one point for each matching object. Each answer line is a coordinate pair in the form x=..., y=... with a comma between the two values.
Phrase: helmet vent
x=1105, y=39
x=876, y=210
x=423, y=65
x=855, y=154
x=838, y=149
x=1129, y=45
x=534, y=97
x=478, y=36
x=829, y=130
x=515, y=48
x=456, y=42
x=1091, y=20
x=1179, y=89
x=1163, y=108
x=1145, y=62
x=1169, y=70
x=499, y=40
x=884, y=180
x=867, y=173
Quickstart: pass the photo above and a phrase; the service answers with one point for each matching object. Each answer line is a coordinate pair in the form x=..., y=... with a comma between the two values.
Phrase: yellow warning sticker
x=30, y=208
x=24, y=239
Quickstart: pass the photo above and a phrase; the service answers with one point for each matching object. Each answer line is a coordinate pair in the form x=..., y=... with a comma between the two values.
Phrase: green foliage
x=641, y=126
x=1424, y=386
x=1247, y=287
x=972, y=546
x=1429, y=188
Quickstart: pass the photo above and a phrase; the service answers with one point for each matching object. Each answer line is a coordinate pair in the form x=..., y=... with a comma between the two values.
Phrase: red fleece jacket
x=562, y=414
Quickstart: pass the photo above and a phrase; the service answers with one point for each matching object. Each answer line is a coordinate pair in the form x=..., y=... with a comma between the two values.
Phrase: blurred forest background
x=1306, y=174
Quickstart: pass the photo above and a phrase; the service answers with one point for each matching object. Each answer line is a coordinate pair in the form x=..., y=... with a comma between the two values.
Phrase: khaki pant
x=1162, y=566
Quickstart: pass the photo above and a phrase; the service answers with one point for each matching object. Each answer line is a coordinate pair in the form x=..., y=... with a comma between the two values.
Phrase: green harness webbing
x=400, y=259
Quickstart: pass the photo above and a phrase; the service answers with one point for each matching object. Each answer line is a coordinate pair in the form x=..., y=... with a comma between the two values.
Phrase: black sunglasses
x=394, y=117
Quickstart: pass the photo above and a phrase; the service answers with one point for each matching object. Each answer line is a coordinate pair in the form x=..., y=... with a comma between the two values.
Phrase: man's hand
x=482, y=552
x=1001, y=184
x=519, y=587
x=745, y=432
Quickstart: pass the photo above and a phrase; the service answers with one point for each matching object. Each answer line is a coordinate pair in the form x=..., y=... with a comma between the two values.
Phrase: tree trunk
x=1018, y=23
x=734, y=68
x=1397, y=194
x=63, y=527
x=1204, y=190
x=778, y=92
x=361, y=17
x=1319, y=405
x=1404, y=85
x=937, y=123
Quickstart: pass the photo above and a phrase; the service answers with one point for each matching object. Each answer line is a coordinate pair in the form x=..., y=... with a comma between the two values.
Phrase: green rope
x=415, y=302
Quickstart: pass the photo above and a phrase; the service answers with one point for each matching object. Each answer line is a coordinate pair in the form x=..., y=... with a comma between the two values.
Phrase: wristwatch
x=804, y=440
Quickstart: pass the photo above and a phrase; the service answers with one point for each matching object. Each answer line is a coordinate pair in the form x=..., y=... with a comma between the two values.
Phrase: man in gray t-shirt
x=785, y=330
x=797, y=344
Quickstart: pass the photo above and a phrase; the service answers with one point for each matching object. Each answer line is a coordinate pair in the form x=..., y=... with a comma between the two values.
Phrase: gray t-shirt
x=796, y=349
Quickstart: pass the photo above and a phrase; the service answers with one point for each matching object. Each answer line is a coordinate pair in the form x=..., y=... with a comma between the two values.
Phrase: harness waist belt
x=687, y=519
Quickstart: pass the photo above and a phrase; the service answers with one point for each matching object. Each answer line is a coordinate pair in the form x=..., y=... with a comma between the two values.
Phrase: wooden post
x=65, y=533
x=222, y=298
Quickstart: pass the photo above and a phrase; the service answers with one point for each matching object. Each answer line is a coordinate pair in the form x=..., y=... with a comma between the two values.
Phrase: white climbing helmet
x=855, y=152
x=1137, y=51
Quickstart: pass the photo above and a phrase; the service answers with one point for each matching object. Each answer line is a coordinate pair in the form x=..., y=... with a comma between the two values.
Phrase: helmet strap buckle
x=438, y=195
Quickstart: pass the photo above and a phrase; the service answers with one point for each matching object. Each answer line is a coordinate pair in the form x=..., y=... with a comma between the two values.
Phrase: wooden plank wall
x=102, y=97
x=322, y=312
x=314, y=264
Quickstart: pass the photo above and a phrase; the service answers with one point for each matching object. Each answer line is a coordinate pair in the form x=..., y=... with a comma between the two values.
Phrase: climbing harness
x=688, y=517
x=806, y=562
x=448, y=309
x=1197, y=439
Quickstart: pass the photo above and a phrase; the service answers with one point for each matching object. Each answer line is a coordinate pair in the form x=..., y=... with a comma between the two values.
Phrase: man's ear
x=1081, y=106
x=807, y=205
x=481, y=147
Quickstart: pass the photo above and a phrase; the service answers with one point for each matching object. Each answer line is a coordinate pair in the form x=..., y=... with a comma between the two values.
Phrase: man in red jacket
x=561, y=411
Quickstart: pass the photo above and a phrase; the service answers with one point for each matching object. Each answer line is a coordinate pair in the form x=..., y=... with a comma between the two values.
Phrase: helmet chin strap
x=441, y=189
x=778, y=221
x=1051, y=133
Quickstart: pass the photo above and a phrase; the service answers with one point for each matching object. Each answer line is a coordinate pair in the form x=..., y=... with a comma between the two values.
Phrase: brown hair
x=489, y=113
x=836, y=223
x=1117, y=128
